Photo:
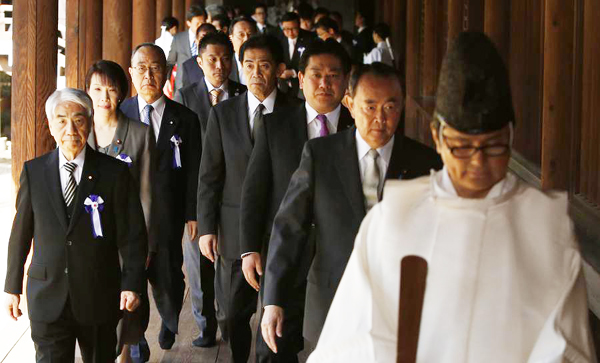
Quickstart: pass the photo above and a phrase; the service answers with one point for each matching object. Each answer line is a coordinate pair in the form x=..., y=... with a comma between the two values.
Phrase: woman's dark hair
x=382, y=29
x=169, y=22
x=111, y=74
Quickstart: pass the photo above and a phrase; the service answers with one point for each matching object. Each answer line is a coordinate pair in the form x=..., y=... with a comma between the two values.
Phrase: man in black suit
x=184, y=44
x=339, y=179
x=363, y=38
x=324, y=70
x=294, y=41
x=241, y=29
x=227, y=149
x=347, y=37
x=327, y=28
x=83, y=210
x=174, y=174
x=260, y=16
x=192, y=72
x=215, y=54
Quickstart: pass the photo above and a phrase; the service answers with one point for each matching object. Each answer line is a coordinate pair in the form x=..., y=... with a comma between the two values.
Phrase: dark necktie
x=324, y=131
x=71, y=188
x=258, y=120
x=147, y=119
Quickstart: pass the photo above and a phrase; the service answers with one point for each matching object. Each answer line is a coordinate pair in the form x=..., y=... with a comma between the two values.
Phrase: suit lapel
x=54, y=188
x=89, y=176
x=345, y=121
x=398, y=160
x=299, y=128
x=131, y=108
x=349, y=172
x=203, y=97
x=119, y=138
x=243, y=127
x=167, y=125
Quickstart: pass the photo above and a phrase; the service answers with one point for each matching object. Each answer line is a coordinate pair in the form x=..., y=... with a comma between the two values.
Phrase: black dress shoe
x=204, y=342
x=166, y=338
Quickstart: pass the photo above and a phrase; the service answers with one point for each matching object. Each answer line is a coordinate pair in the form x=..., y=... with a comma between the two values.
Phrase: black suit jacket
x=197, y=98
x=276, y=155
x=227, y=150
x=292, y=85
x=234, y=75
x=68, y=262
x=364, y=41
x=325, y=196
x=179, y=53
x=173, y=189
x=191, y=72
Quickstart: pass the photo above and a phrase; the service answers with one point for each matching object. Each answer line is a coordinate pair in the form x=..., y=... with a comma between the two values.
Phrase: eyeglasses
x=464, y=152
x=142, y=69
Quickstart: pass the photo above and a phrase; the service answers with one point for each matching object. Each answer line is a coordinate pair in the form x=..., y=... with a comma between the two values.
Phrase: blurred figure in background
x=382, y=52
x=306, y=13
x=221, y=23
x=192, y=72
x=168, y=29
x=363, y=38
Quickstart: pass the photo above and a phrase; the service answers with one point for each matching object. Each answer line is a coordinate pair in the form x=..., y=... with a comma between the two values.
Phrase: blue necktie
x=194, y=49
x=147, y=114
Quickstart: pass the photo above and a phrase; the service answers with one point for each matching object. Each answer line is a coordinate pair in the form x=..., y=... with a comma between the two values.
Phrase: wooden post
x=557, y=105
x=455, y=18
x=413, y=71
x=497, y=24
x=432, y=29
x=143, y=22
x=398, y=23
x=116, y=45
x=83, y=39
x=35, y=49
x=164, y=8
x=179, y=13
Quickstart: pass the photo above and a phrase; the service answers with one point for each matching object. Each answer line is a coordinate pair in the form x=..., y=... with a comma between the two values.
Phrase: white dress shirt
x=64, y=174
x=223, y=95
x=314, y=125
x=156, y=114
x=240, y=70
x=381, y=53
x=385, y=154
x=292, y=46
x=253, y=103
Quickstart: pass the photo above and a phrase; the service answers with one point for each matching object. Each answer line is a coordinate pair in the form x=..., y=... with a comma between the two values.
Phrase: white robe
x=504, y=279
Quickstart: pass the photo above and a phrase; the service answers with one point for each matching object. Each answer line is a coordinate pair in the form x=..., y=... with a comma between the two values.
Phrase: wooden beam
x=179, y=13
x=557, y=105
x=116, y=45
x=455, y=18
x=93, y=34
x=399, y=33
x=35, y=46
x=413, y=66
x=431, y=38
x=164, y=8
x=143, y=22
x=497, y=24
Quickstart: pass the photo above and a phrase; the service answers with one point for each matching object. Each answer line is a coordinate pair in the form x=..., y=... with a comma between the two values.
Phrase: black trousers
x=236, y=301
x=55, y=342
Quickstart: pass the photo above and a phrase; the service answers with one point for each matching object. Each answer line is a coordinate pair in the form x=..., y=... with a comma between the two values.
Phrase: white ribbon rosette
x=94, y=205
x=175, y=142
x=125, y=158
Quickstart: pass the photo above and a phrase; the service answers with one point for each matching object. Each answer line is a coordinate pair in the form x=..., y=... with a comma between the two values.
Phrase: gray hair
x=69, y=95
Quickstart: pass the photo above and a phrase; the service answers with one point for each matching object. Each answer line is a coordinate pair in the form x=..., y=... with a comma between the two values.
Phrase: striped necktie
x=71, y=183
x=194, y=49
x=371, y=180
x=214, y=96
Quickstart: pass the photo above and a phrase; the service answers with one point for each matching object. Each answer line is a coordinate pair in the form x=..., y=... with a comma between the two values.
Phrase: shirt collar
x=158, y=105
x=79, y=159
x=269, y=102
x=292, y=41
x=385, y=152
x=333, y=117
x=210, y=87
x=443, y=187
x=382, y=45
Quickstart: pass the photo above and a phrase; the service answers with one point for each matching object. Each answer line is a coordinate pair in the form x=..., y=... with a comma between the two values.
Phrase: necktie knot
x=373, y=154
x=323, y=131
x=69, y=192
x=70, y=166
x=214, y=95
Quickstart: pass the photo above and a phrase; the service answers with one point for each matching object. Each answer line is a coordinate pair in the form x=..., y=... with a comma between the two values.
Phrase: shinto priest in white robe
x=504, y=279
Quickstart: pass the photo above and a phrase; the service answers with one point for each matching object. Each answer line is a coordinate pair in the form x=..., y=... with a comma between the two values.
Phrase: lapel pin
x=170, y=122
x=90, y=177
x=119, y=141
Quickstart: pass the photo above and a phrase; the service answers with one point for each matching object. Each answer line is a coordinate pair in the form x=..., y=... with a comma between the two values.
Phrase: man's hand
x=250, y=263
x=271, y=324
x=288, y=73
x=129, y=300
x=192, y=227
x=208, y=246
x=12, y=304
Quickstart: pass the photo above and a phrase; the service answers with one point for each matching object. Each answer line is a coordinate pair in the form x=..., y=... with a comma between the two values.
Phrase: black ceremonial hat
x=473, y=94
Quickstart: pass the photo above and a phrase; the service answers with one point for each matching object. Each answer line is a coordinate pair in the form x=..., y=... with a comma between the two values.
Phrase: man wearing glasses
x=504, y=279
x=175, y=132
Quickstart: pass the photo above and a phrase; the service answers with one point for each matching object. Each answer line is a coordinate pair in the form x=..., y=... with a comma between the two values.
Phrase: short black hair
x=161, y=52
x=194, y=11
x=266, y=42
x=290, y=16
x=223, y=20
x=258, y=6
x=305, y=11
x=111, y=74
x=169, y=22
x=205, y=27
x=377, y=69
x=382, y=29
x=330, y=46
x=336, y=14
x=215, y=39
x=240, y=19
x=321, y=10
x=328, y=23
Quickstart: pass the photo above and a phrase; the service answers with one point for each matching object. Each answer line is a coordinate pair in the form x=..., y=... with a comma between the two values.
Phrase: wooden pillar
x=116, y=32
x=189, y=3
x=143, y=22
x=83, y=39
x=474, y=14
x=557, y=105
x=497, y=24
x=179, y=13
x=413, y=71
x=455, y=18
x=164, y=8
x=431, y=38
x=398, y=23
x=35, y=49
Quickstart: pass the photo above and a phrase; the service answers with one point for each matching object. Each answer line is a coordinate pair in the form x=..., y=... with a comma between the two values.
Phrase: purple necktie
x=324, y=131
